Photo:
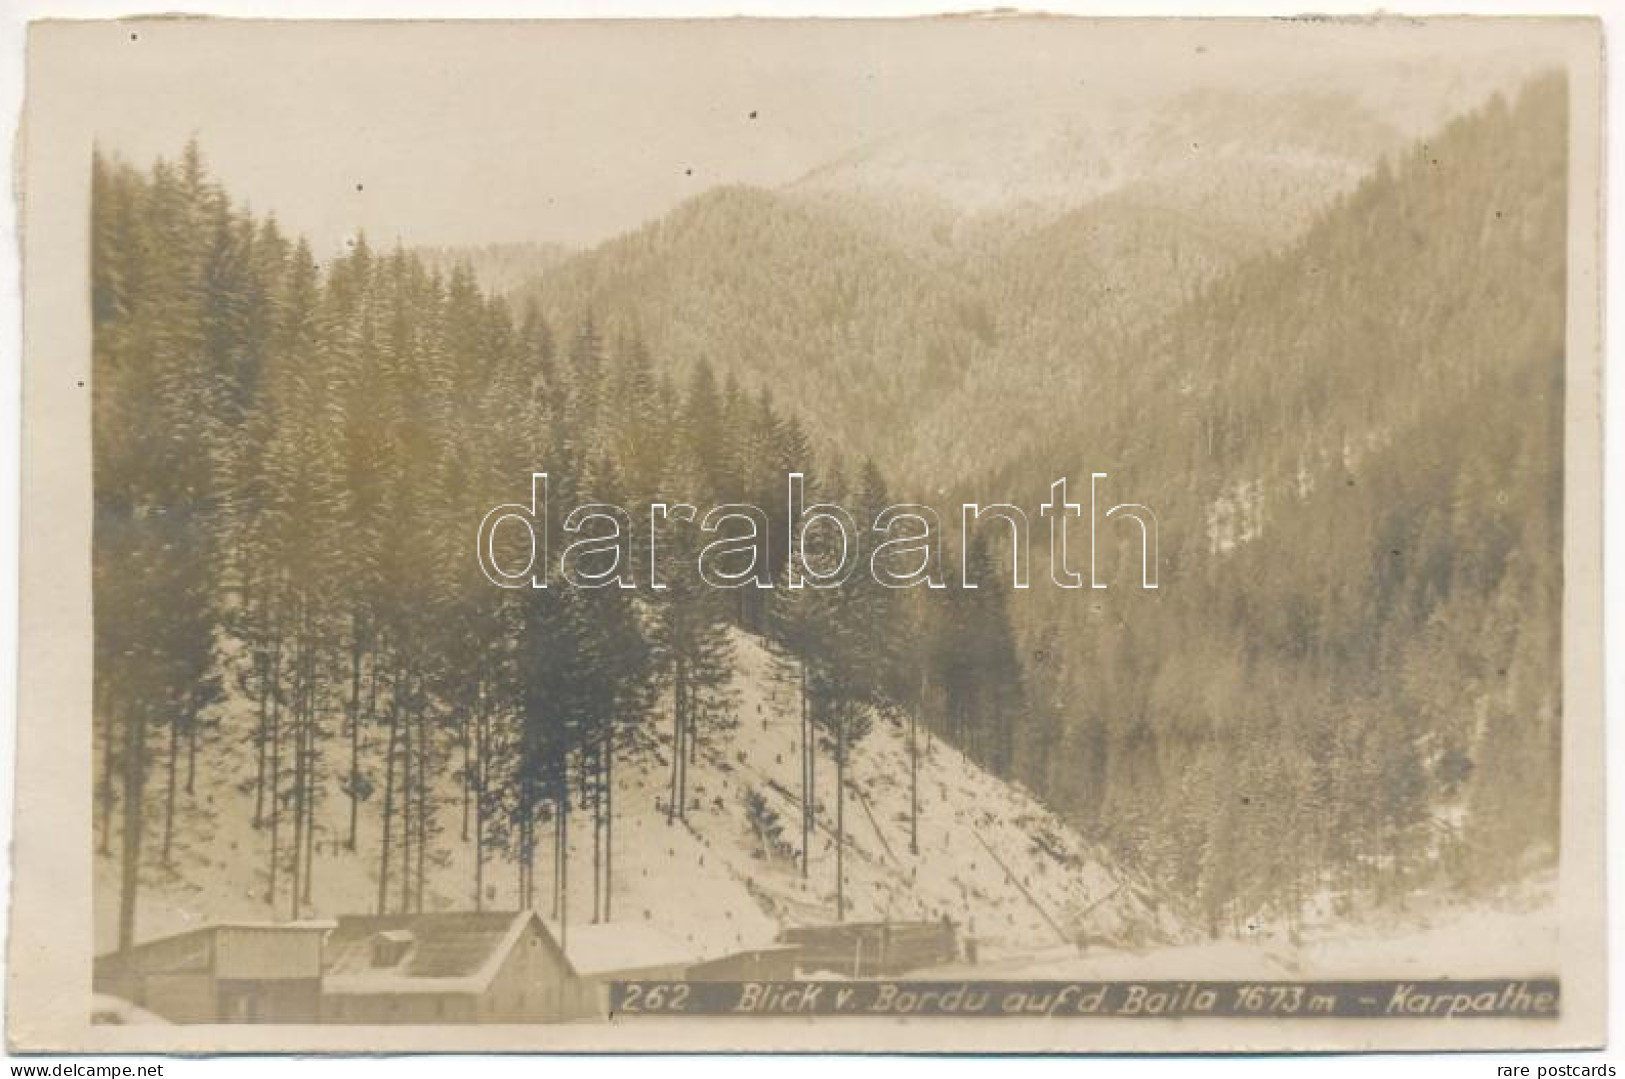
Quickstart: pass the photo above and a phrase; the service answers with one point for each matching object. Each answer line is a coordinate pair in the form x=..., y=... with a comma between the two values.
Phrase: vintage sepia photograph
x=628, y=534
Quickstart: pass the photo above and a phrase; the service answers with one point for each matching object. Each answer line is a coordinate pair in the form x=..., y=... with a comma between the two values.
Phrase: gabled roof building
x=455, y=967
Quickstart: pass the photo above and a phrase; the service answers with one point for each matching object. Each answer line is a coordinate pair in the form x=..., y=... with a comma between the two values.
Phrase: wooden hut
x=233, y=972
x=453, y=967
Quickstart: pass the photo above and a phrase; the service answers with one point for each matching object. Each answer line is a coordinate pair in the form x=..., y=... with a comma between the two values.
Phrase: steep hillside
x=1438, y=272
x=1062, y=302
x=1355, y=449
x=990, y=857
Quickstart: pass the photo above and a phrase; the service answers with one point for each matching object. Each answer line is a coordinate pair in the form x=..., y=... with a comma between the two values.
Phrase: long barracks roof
x=609, y=947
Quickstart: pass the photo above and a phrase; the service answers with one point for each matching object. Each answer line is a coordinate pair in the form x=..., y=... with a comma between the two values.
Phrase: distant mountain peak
x=1062, y=154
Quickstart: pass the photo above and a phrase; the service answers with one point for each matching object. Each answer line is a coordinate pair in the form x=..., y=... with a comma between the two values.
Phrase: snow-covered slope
x=990, y=857
x=1260, y=156
x=1260, y=163
x=1066, y=151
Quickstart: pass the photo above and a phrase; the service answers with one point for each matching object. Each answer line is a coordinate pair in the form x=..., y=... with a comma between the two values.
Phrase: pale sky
x=453, y=133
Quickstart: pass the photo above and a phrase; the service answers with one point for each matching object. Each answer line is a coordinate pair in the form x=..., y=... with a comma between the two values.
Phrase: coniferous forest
x=1347, y=683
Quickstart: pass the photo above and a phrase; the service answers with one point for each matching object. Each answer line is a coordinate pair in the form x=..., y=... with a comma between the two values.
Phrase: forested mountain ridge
x=962, y=275
x=1350, y=676
x=895, y=353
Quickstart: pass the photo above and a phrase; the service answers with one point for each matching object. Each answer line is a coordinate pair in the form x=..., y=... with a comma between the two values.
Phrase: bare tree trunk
x=264, y=736
x=519, y=866
x=840, y=818
x=355, y=724
x=169, y=794
x=109, y=733
x=686, y=754
x=313, y=790
x=482, y=773
x=424, y=750
x=466, y=736
x=300, y=761
x=914, y=772
x=596, y=792
x=553, y=884
x=532, y=842
x=527, y=855
x=191, y=755
x=407, y=815
x=389, y=802
x=274, y=778
x=677, y=704
x=521, y=900
x=135, y=778
x=609, y=821
x=807, y=793
x=564, y=866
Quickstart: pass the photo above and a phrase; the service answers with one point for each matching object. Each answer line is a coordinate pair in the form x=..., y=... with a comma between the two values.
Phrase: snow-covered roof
x=456, y=952
x=596, y=950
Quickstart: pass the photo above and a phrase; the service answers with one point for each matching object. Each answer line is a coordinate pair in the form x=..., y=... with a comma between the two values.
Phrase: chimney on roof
x=390, y=946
